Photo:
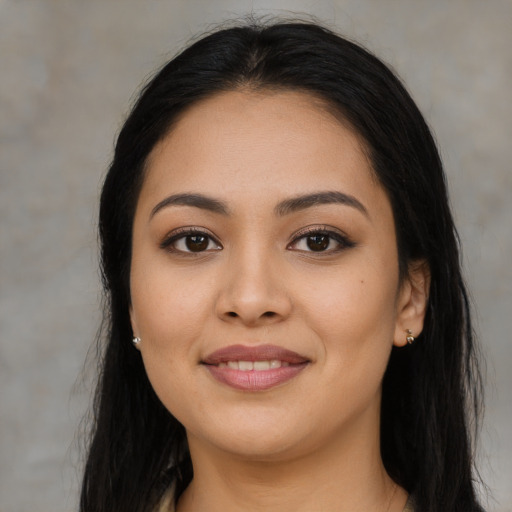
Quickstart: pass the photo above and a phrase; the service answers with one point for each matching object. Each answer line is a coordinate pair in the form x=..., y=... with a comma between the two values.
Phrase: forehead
x=244, y=143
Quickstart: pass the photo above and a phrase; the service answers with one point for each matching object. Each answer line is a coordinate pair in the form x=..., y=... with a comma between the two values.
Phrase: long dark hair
x=431, y=389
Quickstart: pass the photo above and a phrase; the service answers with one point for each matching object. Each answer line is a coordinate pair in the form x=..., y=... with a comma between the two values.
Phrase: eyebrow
x=319, y=198
x=196, y=200
x=294, y=204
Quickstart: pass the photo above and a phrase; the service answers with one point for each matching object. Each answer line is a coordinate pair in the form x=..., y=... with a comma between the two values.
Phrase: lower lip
x=255, y=380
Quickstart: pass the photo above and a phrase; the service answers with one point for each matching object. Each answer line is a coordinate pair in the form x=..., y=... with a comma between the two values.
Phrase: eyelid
x=339, y=236
x=335, y=233
x=182, y=232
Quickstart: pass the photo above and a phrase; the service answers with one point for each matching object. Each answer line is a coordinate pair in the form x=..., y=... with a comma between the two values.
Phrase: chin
x=256, y=437
x=258, y=448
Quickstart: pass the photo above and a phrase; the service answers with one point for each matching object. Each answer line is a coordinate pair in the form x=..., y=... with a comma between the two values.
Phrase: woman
x=277, y=241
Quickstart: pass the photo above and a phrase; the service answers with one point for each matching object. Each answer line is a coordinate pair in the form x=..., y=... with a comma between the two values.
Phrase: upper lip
x=254, y=353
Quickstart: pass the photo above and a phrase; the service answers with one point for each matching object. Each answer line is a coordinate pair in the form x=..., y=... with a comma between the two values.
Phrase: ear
x=135, y=328
x=412, y=302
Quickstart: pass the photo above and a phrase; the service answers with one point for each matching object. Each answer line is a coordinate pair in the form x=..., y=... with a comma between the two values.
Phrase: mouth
x=254, y=368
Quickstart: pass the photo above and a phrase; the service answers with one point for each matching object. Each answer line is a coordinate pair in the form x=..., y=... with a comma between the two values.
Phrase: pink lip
x=253, y=380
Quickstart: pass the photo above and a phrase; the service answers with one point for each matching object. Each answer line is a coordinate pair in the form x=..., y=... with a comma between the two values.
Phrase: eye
x=320, y=241
x=187, y=240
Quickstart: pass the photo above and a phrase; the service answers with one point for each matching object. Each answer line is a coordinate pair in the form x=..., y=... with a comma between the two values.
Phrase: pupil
x=196, y=243
x=318, y=242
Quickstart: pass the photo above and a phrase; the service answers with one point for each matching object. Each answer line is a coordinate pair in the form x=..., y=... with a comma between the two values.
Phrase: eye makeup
x=190, y=240
x=320, y=240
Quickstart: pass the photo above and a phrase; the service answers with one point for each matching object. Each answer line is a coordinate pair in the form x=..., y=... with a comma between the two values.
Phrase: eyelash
x=342, y=240
x=182, y=233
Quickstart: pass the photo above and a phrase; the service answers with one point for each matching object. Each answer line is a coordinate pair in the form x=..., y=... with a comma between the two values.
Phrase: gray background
x=68, y=72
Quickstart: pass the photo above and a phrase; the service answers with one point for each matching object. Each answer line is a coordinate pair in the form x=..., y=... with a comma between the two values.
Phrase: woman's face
x=264, y=277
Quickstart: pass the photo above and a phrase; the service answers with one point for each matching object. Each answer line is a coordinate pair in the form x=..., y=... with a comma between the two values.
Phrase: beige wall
x=67, y=72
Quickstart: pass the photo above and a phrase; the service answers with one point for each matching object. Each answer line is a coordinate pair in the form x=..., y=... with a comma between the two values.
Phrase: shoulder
x=167, y=502
x=409, y=506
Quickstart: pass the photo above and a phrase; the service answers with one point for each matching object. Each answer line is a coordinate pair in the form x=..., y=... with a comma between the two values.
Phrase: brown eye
x=190, y=241
x=321, y=241
x=318, y=242
x=196, y=243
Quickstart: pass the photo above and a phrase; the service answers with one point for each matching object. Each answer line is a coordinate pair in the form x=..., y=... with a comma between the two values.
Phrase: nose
x=253, y=292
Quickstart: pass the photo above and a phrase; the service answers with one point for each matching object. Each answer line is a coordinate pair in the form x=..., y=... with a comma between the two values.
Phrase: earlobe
x=136, y=339
x=412, y=304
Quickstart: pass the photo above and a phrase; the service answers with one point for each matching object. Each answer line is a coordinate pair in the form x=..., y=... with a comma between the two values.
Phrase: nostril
x=232, y=314
x=269, y=314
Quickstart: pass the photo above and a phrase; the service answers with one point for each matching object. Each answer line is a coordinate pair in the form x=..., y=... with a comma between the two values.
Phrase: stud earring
x=410, y=338
x=136, y=341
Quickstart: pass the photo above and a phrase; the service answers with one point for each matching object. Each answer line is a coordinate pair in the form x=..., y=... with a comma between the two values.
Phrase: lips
x=255, y=368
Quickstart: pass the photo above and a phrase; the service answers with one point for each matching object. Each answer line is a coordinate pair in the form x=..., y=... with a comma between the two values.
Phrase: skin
x=311, y=443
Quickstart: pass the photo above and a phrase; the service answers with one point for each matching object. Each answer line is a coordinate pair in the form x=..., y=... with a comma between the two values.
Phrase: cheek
x=354, y=320
x=170, y=311
x=168, y=303
x=353, y=306
x=353, y=315
x=171, y=333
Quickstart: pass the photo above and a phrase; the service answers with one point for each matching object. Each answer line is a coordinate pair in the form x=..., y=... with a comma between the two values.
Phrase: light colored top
x=167, y=504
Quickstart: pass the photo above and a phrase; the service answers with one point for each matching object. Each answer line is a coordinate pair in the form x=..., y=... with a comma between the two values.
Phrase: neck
x=346, y=475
